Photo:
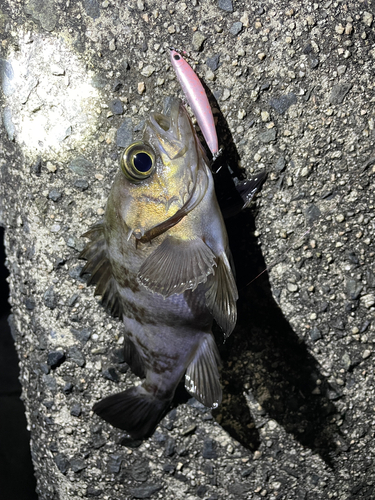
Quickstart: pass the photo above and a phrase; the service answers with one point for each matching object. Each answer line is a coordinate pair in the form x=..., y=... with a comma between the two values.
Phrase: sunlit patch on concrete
x=50, y=101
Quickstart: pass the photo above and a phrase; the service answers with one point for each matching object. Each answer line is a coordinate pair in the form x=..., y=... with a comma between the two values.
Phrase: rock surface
x=297, y=419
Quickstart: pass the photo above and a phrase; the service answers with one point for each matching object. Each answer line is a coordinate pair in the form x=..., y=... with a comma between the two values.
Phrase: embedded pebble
x=236, y=28
x=315, y=334
x=82, y=335
x=340, y=217
x=81, y=184
x=49, y=298
x=114, y=463
x=292, y=287
x=198, y=40
x=141, y=87
x=145, y=491
x=346, y=361
x=339, y=92
x=283, y=103
x=353, y=288
x=62, y=462
x=148, y=70
x=226, y=94
x=7, y=75
x=313, y=61
x=170, y=447
x=213, y=62
x=280, y=164
x=81, y=166
x=54, y=195
x=140, y=471
x=367, y=18
x=226, y=5
x=76, y=355
x=116, y=107
x=77, y=464
x=209, y=449
x=368, y=300
x=76, y=410
x=55, y=358
x=36, y=167
x=339, y=28
x=68, y=388
x=268, y=136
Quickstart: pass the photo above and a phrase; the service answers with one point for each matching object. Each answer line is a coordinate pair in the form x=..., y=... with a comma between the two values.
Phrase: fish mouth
x=163, y=132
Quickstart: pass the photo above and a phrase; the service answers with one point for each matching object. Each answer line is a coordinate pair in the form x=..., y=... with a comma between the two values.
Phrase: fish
x=160, y=260
x=197, y=99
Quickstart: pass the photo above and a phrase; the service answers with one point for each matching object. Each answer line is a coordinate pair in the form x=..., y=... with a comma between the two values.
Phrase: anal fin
x=133, y=358
x=202, y=379
x=222, y=295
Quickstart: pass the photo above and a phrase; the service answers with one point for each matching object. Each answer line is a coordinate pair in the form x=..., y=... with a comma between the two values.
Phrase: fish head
x=159, y=173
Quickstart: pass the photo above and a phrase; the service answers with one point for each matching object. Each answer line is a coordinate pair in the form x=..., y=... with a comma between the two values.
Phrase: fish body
x=197, y=99
x=161, y=261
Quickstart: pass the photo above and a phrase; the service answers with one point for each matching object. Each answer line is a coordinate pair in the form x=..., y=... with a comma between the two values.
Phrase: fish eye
x=138, y=161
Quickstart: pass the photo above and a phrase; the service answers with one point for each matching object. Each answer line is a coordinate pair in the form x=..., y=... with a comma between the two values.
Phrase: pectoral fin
x=222, y=295
x=177, y=265
x=100, y=269
x=202, y=379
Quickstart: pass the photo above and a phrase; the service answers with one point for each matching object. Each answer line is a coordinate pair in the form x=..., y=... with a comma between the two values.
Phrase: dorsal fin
x=99, y=266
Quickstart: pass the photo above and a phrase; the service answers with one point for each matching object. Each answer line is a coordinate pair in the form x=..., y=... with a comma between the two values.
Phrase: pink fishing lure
x=197, y=99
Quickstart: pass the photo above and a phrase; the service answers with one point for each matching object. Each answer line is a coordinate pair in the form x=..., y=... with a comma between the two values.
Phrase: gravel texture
x=292, y=86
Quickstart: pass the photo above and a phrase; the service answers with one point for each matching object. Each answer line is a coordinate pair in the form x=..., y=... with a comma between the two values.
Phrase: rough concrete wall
x=295, y=86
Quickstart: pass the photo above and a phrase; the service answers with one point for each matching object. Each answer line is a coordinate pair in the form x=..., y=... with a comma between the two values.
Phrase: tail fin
x=136, y=411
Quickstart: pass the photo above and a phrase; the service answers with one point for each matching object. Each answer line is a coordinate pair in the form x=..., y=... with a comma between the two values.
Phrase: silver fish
x=161, y=261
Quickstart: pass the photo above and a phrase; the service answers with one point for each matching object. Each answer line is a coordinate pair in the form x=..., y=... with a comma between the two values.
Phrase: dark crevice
x=15, y=456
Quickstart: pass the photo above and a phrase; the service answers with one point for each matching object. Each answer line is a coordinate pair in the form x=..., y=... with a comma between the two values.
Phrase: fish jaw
x=174, y=140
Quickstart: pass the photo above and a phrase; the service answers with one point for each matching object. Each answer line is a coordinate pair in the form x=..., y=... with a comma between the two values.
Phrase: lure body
x=197, y=99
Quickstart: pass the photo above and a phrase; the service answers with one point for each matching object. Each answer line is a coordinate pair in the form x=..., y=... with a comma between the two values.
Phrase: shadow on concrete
x=263, y=350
